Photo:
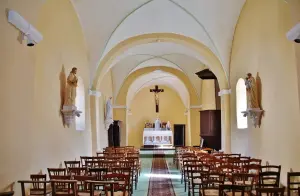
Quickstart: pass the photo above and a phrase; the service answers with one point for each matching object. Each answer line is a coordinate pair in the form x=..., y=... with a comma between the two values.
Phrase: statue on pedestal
x=69, y=109
x=251, y=91
x=253, y=109
x=108, y=114
x=157, y=124
x=71, y=87
x=168, y=125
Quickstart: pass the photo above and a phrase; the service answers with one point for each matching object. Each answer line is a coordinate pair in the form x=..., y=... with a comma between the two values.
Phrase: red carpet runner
x=160, y=185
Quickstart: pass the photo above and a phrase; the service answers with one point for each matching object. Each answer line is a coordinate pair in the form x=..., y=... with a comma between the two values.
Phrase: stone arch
x=209, y=59
x=121, y=99
x=208, y=56
x=121, y=96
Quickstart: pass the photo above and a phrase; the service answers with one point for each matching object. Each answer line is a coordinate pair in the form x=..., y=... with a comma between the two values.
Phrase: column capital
x=195, y=107
x=224, y=92
x=95, y=93
x=119, y=106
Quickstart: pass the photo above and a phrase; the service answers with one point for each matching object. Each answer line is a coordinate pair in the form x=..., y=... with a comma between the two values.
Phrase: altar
x=162, y=136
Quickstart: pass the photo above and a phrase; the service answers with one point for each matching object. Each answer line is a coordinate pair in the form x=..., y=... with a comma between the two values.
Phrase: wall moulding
x=119, y=106
x=95, y=93
x=224, y=92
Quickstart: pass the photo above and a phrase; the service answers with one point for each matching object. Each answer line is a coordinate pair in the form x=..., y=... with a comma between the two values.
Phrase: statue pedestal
x=255, y=115
x=69, y=112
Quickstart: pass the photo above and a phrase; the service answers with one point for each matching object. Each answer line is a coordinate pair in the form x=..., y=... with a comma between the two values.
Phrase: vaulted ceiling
x=106, y=23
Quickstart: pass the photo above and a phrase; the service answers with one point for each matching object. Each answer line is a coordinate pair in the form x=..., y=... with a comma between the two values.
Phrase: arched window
x=80, y=104
x=241, y=104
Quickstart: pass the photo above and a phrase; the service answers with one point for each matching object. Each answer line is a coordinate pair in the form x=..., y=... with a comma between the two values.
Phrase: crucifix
x=156, y=91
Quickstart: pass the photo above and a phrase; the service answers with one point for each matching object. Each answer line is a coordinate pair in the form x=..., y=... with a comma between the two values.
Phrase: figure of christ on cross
x=156, y=91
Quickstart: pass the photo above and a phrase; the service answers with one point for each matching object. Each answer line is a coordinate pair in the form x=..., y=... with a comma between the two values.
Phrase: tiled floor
x=142, y=188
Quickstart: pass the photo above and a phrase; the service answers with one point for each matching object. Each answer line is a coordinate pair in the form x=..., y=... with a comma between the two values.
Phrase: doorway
x=179, y=135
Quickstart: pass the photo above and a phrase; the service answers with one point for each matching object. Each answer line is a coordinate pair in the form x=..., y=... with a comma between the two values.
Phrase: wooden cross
x=156, y=91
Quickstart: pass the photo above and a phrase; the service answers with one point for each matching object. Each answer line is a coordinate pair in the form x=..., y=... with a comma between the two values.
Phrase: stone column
x=95, y=117
x=226, y=123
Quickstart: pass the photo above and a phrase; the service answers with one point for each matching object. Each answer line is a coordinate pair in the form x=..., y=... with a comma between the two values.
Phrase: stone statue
x=157, y=124
x=168, y=125
x=71, y=88
x=109, y=113
x=69, y=109
x=251, y=91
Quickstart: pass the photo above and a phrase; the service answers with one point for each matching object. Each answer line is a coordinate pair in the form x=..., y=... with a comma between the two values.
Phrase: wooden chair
x=98, y=172
x=122, y=187
x=232, y=189
x=84, y=186
x=8, y=193
x=57, y=172
x=83, y=160
x=210, y=185
x=255, y=161
x=9, y=190
x=126, y=171
x=293, y=183
x=42, y=191
x=70, y=164
x=270, y=191
x=39, y=188
x=271, y=168
x=196, y=174
x=64, y=187
x=78, y=171
x=269, y=179
x=101, y=186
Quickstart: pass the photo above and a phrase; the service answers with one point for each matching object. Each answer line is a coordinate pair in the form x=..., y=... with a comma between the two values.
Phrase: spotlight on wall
x=29, y=33
x=294, y=34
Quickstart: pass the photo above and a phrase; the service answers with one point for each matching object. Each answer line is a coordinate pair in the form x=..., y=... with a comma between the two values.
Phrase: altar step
x=149, y=151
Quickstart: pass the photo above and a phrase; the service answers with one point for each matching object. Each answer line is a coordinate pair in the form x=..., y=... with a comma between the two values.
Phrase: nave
x=184, y=171
x=121, y=171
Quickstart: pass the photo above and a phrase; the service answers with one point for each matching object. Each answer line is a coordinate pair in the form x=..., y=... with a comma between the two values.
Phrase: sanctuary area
x=149, y=97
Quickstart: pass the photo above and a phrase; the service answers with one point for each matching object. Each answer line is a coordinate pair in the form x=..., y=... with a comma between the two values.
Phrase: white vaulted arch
x=158, y=77
x=143, y=21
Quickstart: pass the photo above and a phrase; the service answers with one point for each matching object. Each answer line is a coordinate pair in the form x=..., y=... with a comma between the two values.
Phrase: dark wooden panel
x=114, y=135
x=179, y=135
x=210, y=128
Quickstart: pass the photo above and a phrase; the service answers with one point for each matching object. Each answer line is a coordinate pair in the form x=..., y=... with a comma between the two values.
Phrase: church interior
x=150, y=97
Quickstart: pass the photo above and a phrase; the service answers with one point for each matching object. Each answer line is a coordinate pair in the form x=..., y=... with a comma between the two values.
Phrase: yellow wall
x=208, y=100
x=32, y=135
x=143, y=109
x=260, y=45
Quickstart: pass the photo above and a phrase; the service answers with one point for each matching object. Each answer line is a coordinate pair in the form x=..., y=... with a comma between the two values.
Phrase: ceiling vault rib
x=200, y=24
x=153, y=57
x=101, y=55
x=230, y=54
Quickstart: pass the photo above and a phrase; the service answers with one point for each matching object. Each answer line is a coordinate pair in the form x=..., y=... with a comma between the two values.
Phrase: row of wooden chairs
x=108, y=173
x=238, y=171
x=79, y=186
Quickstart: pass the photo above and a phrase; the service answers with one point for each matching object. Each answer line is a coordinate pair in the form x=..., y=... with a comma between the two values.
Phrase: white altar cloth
x=157, y=137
